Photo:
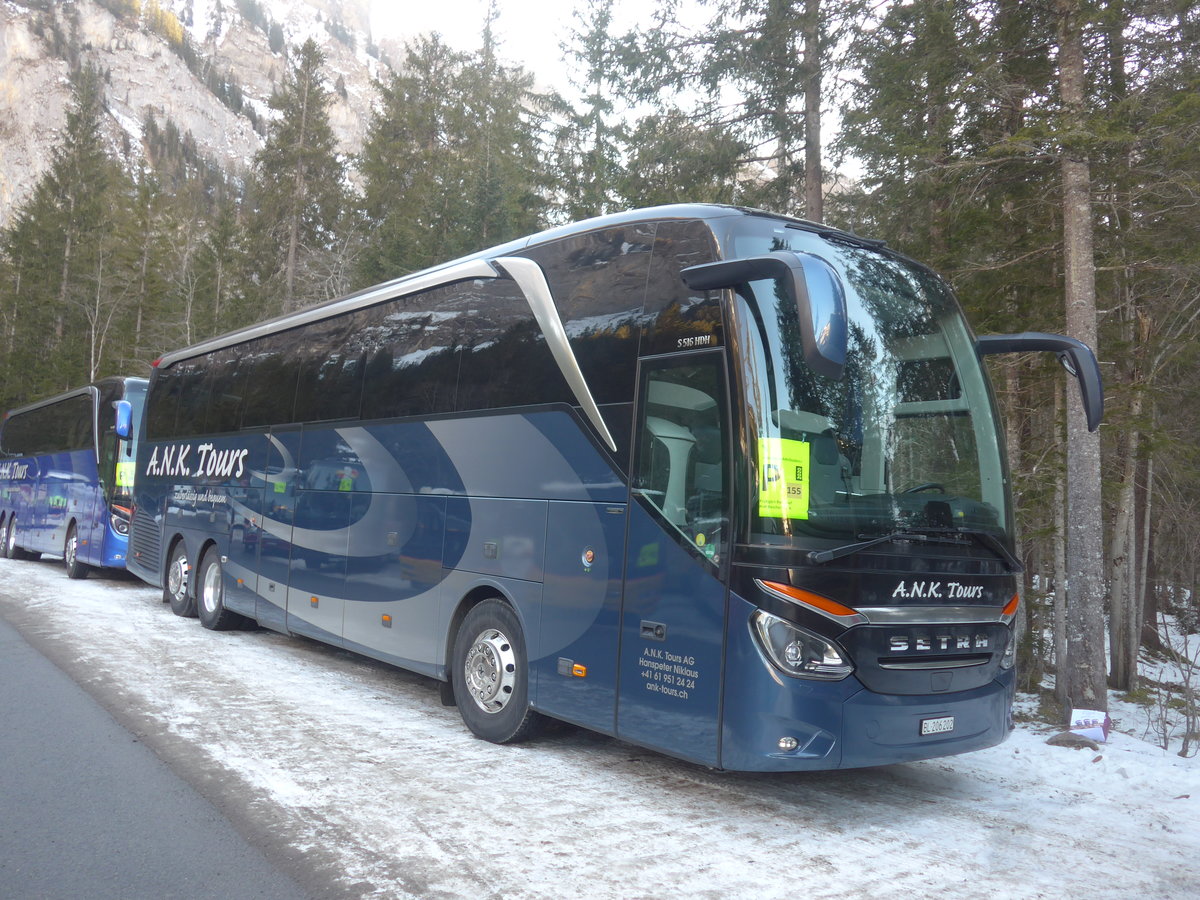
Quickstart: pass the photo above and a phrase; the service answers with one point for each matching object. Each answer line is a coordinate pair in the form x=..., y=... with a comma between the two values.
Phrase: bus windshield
x=118, y=456
x=905, y=442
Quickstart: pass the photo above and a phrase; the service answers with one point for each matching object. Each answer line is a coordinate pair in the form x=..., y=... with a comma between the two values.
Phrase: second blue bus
x=66, y=475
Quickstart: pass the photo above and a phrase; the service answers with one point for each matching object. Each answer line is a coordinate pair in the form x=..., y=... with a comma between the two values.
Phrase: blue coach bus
x=721, y=483
x=66, y=475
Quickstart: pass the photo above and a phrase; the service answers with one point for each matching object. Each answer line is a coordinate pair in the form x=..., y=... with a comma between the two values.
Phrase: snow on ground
x=358, y=767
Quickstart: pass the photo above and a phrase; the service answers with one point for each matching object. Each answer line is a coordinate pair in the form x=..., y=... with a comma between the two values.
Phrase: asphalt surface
x=87, y=810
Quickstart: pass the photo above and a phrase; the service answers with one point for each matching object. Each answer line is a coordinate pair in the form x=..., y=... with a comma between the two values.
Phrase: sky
x=530, y=30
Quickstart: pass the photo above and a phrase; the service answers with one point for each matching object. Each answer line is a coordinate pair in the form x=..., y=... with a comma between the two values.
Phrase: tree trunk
x=814, y=196
x=1085, y=670
x=1060, y=571
x=1122, y=629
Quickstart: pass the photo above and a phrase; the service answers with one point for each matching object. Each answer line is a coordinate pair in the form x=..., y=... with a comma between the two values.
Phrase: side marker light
x=808, y=598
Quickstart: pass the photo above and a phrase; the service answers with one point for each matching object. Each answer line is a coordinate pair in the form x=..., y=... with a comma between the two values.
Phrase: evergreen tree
x=297, y=188
x=506, y=118
x=755, y=68
x=58, y=268
x=452, y=159
x=413, y=165
x=589, y=145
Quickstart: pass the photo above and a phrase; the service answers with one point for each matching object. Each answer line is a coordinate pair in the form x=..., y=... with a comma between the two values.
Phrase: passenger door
x=674, y=611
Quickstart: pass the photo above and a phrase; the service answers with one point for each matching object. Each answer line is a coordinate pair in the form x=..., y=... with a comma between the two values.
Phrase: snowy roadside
x=359, y=768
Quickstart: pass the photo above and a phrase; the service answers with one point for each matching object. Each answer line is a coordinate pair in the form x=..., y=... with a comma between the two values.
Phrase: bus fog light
x=788, y=744
x=798, y=652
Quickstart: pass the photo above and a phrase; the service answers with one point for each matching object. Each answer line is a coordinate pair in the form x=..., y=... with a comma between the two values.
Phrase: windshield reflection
x=906, y=440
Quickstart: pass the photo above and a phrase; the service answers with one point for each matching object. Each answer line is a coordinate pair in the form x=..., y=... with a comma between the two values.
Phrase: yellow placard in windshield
x=125, y=471
x=784, y=473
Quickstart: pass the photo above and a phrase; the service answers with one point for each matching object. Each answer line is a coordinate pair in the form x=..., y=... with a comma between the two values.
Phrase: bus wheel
x=210, y=595
x=4, y=529
x=176, y=589
x=491, y=674
x=75, y=568
x=10, y=548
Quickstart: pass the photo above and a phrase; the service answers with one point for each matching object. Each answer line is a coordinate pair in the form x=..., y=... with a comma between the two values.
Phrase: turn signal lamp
x=830, y=609
x=808, y=598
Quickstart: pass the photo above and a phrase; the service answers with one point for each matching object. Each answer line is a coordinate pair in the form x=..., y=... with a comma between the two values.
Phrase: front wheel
x=75, y=568
x=490, y=677
x=210, y=595
x=176, y=589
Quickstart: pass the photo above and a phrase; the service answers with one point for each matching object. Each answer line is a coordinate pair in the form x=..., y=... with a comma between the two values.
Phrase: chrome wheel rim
x=10, y=538
x=177, y=577
x=491, y=670
x=210, y=590
x=72, y=549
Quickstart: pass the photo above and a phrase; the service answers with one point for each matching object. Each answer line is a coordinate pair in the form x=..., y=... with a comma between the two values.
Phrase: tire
x=176, y=587
x=75, y=568
x=210, y=595
x=11, y=550
x=490, y=674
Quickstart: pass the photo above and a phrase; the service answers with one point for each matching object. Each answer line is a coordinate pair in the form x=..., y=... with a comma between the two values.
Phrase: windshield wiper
x=944, y=535
x=819, y=557
x=993, y=543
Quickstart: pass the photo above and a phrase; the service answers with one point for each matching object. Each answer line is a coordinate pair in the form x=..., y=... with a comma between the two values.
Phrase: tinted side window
x=163, y=404
x=20, y=436
x=192, y=385
x=77, y=422
x=505, y=359
x=270, y=381
x=599, y=283
x=226, y=388
x=330, y=379
x=409, y=346
x=677, y=318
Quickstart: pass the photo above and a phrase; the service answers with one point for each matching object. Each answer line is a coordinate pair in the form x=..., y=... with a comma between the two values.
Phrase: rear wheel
x=75, y=568
x=210, y=595
x=491, y=674
x=11, y=550
x=176, y=588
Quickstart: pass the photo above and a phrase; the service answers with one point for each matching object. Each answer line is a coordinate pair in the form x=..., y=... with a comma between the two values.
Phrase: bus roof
x=476, y=265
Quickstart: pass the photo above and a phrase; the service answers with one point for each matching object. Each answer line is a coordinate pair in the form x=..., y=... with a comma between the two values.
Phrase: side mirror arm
x=1076, y=357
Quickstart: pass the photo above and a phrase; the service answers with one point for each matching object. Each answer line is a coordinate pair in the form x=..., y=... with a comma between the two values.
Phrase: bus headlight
x=119, y=520
x=1009, y=659
x=798, y=652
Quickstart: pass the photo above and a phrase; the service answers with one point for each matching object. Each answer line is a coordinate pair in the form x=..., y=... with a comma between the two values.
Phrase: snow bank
x=361, y=767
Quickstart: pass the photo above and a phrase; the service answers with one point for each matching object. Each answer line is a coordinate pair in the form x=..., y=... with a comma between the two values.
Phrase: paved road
x=86, y=810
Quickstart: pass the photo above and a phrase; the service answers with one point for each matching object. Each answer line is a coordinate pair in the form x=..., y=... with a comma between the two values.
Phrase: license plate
x=937, y=726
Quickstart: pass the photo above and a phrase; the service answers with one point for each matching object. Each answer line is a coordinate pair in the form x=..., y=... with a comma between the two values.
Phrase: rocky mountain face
x=208, y=66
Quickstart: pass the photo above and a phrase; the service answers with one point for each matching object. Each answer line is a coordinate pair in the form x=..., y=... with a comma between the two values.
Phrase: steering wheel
x=927, y=486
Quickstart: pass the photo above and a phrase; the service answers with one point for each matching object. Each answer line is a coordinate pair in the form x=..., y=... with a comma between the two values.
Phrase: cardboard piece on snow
x=1091, y=723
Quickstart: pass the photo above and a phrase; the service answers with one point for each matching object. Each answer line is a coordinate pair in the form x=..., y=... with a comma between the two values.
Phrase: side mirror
x=1076, y=357
x=124, y=426
x=811, y=285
